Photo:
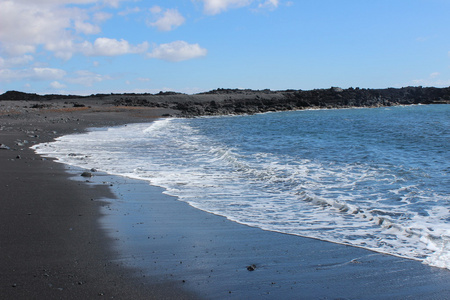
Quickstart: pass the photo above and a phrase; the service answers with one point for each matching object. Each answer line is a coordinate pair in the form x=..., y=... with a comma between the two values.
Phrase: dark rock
x=251, y=268
x=40, y=106
x=86, y=174
x=15, y=95
x=265, y=101
x=245, y=101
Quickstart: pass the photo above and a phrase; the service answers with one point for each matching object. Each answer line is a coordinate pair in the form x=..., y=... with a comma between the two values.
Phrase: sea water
x=376, y=178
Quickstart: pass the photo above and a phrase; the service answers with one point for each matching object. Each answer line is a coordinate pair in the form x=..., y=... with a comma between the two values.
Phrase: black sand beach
x=64, y=238
x=50, y=241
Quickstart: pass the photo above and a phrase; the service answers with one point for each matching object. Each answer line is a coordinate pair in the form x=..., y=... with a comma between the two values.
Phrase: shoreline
x=67, y=238
x=51, y=243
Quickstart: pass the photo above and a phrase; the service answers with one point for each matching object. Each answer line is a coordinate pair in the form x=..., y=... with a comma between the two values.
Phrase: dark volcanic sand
x=119, y=238
x=51, y=244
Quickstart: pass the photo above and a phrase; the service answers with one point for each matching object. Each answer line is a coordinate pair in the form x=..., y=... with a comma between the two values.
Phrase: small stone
x=251, y=268
x=86, y=174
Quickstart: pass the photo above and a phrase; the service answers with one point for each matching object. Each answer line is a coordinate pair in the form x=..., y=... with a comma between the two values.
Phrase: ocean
x=375, y=178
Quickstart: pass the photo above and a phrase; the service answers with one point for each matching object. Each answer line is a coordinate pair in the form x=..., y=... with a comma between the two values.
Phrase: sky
x=87, y=47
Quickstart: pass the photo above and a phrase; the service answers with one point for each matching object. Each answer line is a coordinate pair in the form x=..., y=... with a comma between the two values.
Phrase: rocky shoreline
x=239, y=101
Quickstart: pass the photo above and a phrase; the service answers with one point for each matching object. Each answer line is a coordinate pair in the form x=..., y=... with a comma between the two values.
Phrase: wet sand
x=210, y=255
x=64, y=238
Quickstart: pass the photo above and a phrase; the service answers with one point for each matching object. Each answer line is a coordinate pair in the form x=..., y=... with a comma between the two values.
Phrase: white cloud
x=270, y=4
x=112, y=3
x=213, y=7
x=168, y=20
x=429, y=82
x=178, y=51
x=7, y=75
x=15, y=61
x=156, y=9
x=63, y=48
x=57, y=85
x=432, y=80
x=86, y=28
x=31, y=73
x=101, y=17
x=56, y=2
x=111, y=47
x=129, y=11
x=87, y=78
x=435, y=74
x=26, y=26
x=48, y=73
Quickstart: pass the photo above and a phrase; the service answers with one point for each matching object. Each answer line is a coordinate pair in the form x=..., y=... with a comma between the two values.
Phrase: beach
x=64, y=236
x=51, y=244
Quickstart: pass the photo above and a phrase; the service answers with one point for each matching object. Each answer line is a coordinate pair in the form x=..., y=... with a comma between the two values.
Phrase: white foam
x=278, y=193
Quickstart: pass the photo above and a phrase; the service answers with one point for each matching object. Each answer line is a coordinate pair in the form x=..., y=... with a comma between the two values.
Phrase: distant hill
x=15, y=95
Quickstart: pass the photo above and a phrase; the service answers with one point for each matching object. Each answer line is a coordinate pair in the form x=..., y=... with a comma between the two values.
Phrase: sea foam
x=357, y=183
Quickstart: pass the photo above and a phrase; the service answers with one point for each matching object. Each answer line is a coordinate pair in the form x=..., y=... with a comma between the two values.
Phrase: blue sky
x=190, y=46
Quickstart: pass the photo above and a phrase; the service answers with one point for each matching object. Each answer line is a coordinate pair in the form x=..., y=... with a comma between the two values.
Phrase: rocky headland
x=245, y=101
